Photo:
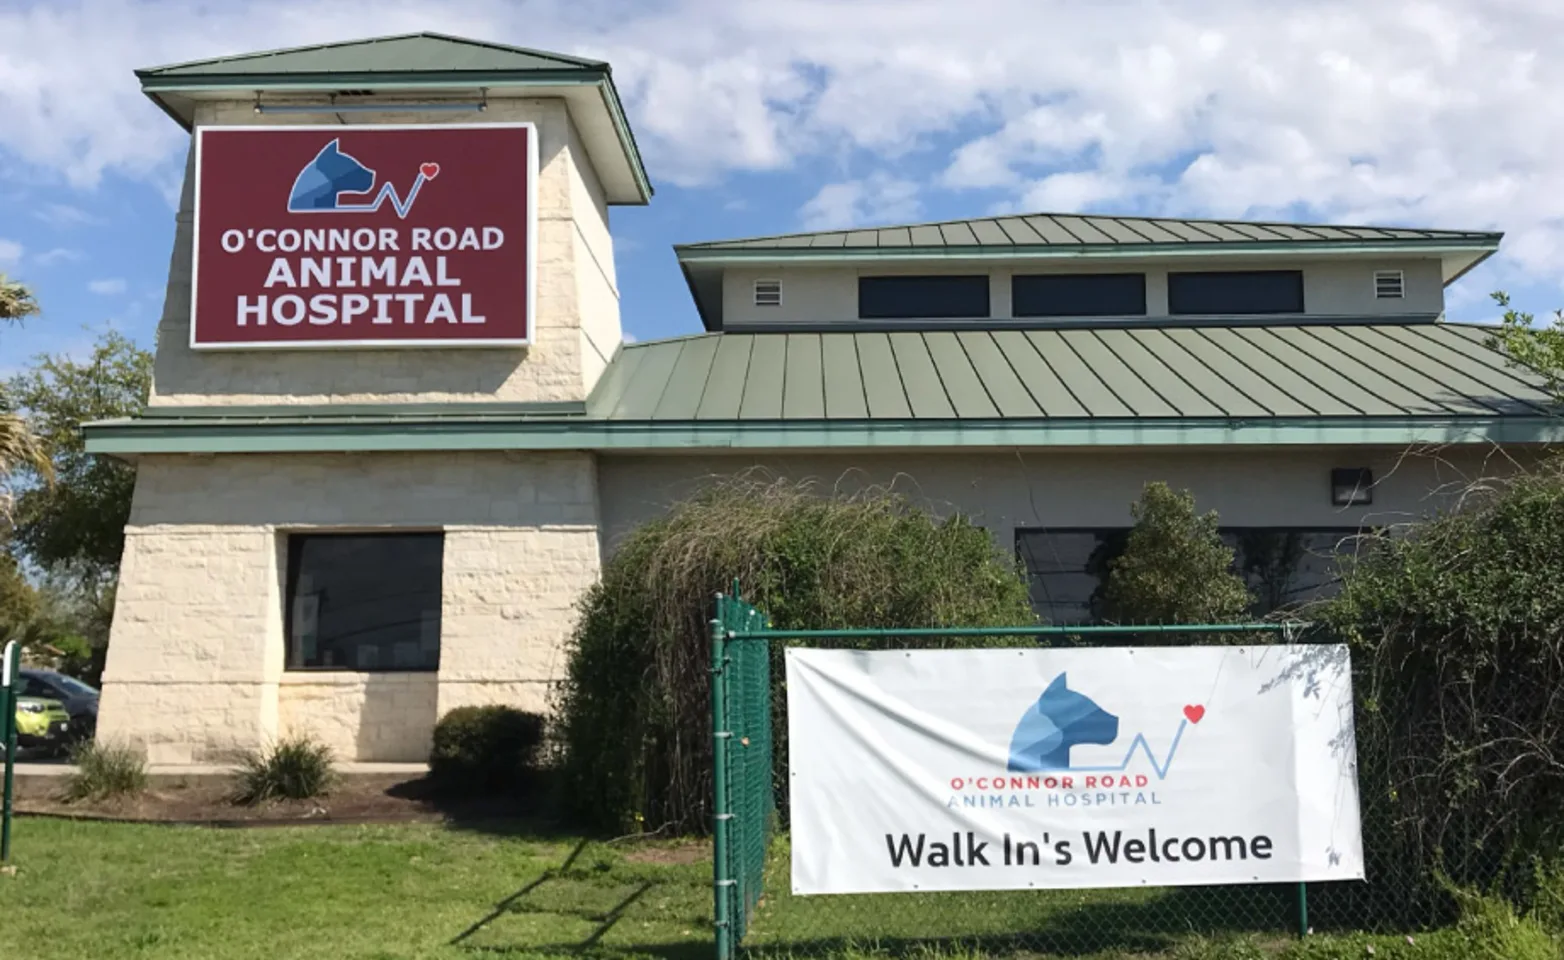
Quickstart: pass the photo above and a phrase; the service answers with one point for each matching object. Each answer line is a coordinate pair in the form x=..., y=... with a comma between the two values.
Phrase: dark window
x=1250, y=291
x=1284, y=567
x=364, y=602
x=1079, y=295
x=922, y=298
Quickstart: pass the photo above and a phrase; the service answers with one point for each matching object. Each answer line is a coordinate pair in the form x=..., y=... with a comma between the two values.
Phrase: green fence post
x=9, y=660
x=722, y=879
x=1303, y=910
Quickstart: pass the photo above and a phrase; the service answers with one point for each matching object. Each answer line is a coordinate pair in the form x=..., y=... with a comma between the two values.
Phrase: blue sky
x=758, y=116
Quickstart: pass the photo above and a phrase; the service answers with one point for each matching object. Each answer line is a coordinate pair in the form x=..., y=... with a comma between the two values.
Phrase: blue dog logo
x=320, y=185
x=1060, y=719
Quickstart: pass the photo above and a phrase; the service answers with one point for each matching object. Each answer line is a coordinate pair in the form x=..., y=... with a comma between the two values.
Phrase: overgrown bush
x=104, y=771
x=298, y=768
x=1174, y=567
x=634, y=709
x=1457, y=631
x=485, y=748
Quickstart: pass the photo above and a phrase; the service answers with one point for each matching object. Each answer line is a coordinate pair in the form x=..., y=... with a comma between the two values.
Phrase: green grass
x=112, y=891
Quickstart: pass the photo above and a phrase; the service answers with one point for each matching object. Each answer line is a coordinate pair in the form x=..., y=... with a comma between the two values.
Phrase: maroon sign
x=369, y=236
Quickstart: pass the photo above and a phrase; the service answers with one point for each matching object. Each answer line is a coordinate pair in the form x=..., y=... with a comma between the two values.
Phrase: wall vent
x=768, y=293
x=1389, y=285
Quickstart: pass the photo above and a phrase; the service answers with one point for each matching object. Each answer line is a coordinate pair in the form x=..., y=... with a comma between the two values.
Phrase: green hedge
x=485, y=749
x=635, y=706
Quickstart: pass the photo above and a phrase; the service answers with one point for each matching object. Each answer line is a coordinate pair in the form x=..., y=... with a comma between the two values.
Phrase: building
x=352, y=541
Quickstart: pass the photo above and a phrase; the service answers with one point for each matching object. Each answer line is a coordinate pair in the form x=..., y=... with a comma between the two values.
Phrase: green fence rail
x=745, y=803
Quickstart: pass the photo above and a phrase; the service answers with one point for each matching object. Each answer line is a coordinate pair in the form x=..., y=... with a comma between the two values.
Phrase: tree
x=19, y=449
x=1174, y=568
x=1540, y=348
x=78, y=523
x=16, y=301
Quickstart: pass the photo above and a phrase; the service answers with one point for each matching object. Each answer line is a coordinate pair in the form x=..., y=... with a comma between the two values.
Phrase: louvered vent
x=768, y=293
x=1389, y=285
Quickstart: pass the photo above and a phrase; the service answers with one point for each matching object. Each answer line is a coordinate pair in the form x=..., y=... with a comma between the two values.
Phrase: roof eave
x=206, y=436
x=157, y=87
x=782, y=255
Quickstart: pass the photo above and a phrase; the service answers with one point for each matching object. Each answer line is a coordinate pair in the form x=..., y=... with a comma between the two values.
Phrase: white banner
x=1112, y=767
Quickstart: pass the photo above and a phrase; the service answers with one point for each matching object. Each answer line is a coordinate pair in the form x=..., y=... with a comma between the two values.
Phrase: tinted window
x=1079, y=295
x=364, y=602
x=1284, y=567
x=903, y=298
x=1252, y=291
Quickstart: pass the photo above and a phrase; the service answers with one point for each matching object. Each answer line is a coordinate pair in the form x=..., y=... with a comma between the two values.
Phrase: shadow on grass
x=1063, y=923
x=528, y=810
x=579, y=907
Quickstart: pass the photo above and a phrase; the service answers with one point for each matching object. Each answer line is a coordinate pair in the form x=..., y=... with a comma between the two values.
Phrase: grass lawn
x=108, y=891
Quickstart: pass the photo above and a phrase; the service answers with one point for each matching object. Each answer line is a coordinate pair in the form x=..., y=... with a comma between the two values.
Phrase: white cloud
x=108, y=287
x=10, y=252
x=878, y=198
x=65, y=215
x=57, y=255
x=1417, y=111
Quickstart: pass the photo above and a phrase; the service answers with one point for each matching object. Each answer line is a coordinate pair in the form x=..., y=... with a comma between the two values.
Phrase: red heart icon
x=430, y=170
x=1194, y=714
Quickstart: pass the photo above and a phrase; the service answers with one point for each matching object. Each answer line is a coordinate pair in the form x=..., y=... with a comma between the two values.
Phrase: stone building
x=350, y=538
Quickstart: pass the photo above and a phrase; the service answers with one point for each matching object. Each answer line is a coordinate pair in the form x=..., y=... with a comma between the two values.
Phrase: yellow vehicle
x=41, y=723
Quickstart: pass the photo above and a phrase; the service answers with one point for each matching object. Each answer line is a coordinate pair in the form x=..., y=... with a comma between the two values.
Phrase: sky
x=769, y=116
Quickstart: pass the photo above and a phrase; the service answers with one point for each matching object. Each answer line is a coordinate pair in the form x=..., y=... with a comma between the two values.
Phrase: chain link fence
x=757, y=914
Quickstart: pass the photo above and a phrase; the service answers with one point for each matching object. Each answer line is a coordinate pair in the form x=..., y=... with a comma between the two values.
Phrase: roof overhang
x=589, y=94
x=388, y=433
x=703, y=266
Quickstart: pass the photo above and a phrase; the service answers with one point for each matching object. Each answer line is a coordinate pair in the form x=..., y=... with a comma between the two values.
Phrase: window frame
x=975, y=280
x=292, y=548
x=1175, y=277
x=1018, y=280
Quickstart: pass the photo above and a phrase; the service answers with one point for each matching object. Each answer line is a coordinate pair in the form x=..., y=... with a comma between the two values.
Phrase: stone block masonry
x=195, y=668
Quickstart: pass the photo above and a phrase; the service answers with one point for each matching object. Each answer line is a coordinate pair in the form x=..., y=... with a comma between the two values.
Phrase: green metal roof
x=1137, y=372
x=1320, y=384
x=420, y=62
x=1069, y=230
x=400, y=54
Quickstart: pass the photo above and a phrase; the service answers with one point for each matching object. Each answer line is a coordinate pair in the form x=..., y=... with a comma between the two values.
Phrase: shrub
x=1457, y=631
x=104, y=771
x=635, y=705
x=298, y=768
x=1174, y=568
x=485, y=748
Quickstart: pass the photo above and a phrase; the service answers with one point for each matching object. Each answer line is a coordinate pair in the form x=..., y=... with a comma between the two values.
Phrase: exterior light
x=1351, y=486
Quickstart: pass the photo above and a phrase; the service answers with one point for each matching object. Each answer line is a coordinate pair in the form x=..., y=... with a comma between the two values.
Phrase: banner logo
x=1063, y=718
x=320, y=185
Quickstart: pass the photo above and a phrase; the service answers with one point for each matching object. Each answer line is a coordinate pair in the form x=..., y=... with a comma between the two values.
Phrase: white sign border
x=532, y=245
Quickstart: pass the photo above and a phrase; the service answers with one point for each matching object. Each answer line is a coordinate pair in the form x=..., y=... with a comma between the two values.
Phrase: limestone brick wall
x=196, y=655
x=562, y=364
x=384, y=717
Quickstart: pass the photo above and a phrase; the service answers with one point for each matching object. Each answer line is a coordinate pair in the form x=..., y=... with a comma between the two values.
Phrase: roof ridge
x=1099, y=216
x=366, y=41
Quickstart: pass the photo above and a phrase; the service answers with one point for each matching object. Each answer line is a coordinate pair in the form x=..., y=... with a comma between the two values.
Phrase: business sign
x=364, y=236
x=1017, y=769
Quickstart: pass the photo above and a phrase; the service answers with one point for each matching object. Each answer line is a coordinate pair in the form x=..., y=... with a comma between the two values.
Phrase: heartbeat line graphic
x=1140, y=743
x=388, y=192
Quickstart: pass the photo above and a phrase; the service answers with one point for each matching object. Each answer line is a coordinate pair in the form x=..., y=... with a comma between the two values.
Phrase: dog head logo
x=1060, y=719
x=324, y=179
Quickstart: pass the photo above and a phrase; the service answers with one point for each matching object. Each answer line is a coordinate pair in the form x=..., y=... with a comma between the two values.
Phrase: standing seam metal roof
x=1054, y=229
x=1153, y=372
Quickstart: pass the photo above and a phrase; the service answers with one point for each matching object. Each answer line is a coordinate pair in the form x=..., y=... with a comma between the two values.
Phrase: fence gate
x=1072, y=921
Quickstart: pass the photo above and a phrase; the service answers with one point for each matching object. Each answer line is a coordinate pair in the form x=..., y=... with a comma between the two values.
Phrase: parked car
x=80, y=699
x=42, y=724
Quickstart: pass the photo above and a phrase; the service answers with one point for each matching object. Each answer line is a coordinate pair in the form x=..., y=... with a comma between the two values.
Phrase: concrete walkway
x=24, y=769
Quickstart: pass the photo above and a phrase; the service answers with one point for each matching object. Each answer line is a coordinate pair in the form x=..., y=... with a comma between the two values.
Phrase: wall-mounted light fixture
x=1351, y=486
